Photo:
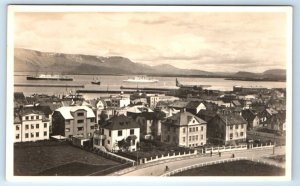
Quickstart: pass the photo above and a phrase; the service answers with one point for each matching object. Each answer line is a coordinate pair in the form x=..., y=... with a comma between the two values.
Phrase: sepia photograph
x=161, y=91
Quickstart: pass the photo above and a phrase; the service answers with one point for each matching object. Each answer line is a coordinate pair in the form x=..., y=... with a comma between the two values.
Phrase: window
x=201, y=143
x=231, y=127
x=17, y=127
x=193, y=121
x=80, y=114
x=183, y=130
x=196, y=128
x=31, y=135
x=190, y=138
x=120, y=132
x=26, y=135
x=37, y=126
x=79, y=128
x=242, y=126
x=37, y=117
x=236, y=126
x=242, y=134
x=108, y=142
x=37, y=134
x=183, y=139
x=196, y=137
x=32, y=117
x=231, y=135
x=92, y=127
x=26, y=118
x=237, y=134
x=26, y=127
x=45, y=125
x=45, y=133
x=193, y=138
x=80, y=121
x=32, y=126
x=201, y=128
x=202, y=137
x=109, y=133
x=131, y=131
x=190, y=129
x=17, y=136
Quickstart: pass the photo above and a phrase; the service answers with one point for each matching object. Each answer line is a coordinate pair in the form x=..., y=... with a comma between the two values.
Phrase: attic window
x=80, y=114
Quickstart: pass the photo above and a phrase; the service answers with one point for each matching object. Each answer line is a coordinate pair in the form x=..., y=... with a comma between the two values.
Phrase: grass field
x=237, y=168
x=59, y=159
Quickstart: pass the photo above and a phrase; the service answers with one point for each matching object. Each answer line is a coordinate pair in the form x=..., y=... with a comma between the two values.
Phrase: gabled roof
x=248, y=115
x=271, y=111
x=66, y=111
x=193, y=104
x=236, y=102
x=120, y=122
x=232, y=119
x=179, y=104
x=183, y=118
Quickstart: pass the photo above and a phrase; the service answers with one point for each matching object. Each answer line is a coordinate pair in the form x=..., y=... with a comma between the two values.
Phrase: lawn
x=58, y=159
x=237, y=168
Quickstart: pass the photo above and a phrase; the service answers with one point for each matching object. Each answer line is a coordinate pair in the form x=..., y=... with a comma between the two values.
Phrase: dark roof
x=120, y=122
x=19, y=96
x=193, y=104
x=183, y=118
x=248, y=115
x=232, y=119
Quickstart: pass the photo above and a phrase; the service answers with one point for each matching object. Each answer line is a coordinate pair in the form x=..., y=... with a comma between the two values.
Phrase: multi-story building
x=227, y=128
x=184, y=129
x=77, y=121
x=117, y=133
x=152, y=100
x=30, y=124
x=120, y=101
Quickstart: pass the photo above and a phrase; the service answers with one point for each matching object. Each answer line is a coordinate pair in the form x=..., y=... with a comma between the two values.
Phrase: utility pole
x=274, y=144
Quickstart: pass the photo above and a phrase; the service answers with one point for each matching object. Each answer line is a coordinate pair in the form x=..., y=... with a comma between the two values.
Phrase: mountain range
x=35, y=61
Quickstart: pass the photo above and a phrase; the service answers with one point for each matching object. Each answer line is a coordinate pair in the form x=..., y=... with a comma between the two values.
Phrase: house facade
x=227, y=128
x=30, y=125
x=117, y=133
x=74, y=121
x=184, y=129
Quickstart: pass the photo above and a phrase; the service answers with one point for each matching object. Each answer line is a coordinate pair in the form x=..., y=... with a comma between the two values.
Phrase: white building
x=30, y=125
x=116, y=130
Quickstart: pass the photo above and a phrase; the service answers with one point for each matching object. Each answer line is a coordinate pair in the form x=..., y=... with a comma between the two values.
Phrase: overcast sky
x=206, y=41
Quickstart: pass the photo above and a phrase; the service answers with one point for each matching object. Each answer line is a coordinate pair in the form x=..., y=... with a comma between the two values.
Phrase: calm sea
x=110, y=82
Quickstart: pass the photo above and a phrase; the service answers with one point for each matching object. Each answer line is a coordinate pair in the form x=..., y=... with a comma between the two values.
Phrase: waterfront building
x=117, y=133
x=77, y=121
x=184, y=129
x=227, y=128
x=30, y=124
x=152, y=100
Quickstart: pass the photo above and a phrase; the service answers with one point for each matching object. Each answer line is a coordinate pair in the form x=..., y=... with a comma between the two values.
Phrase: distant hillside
x=268, y=75
x=31, y=60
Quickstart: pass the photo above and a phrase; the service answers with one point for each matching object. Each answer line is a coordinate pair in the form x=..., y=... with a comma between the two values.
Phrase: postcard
x=165, y=92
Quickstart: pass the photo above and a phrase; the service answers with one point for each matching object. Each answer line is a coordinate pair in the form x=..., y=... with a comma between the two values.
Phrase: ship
x=49, y=77
x=140, y=79
x=96, y=82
